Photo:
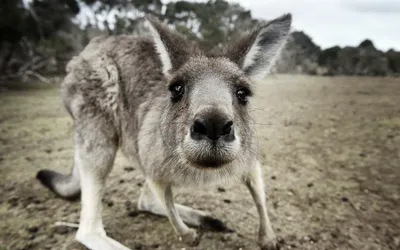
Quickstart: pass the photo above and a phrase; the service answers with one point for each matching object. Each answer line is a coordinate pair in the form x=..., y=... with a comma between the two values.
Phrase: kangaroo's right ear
x=173, y=48
x=256, y=51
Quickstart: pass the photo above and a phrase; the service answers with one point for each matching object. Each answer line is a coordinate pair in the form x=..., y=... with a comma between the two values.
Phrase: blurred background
x=328, y=123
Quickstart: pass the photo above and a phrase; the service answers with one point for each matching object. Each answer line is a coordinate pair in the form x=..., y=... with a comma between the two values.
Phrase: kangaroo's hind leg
x=95, y=149
x=95, y=143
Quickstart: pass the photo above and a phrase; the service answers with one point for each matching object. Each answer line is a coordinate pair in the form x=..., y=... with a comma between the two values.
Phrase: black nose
x=212, y=128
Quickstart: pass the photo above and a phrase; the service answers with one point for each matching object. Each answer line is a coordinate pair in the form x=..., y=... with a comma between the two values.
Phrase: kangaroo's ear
x=173, y=48
x=256, y=51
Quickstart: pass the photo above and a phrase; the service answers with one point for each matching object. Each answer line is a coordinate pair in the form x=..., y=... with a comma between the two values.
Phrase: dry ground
x=331, y=148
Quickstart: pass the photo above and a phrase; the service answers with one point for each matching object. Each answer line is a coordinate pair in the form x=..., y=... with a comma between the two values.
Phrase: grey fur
x=117, y=94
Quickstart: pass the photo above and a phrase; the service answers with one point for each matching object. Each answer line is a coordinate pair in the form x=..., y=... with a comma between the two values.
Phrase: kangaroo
x=180, y=113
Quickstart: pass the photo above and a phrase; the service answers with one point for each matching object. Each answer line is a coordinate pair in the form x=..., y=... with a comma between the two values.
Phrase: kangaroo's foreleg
x=149, y=202
x=254, y=183
x=164, y=194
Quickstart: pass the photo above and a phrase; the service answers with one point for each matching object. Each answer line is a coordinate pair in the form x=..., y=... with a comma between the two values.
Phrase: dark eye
x=242, y=95
x=177, y=90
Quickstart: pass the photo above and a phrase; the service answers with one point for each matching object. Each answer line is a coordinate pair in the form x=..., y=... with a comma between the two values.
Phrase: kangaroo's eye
x=242, y=95
x=177, y=90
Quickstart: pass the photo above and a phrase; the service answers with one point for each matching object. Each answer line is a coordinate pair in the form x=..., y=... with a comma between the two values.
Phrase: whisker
x=257, y=109
x=263, y=110
x=265, y=124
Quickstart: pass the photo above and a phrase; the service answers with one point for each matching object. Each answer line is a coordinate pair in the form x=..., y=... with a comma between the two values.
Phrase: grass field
x=331, y=149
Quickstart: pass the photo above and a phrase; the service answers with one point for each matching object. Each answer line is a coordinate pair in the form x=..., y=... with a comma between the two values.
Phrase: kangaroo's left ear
x=173, y=48
x=256, y=51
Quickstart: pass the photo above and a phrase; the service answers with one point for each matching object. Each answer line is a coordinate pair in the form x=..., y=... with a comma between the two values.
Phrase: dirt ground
x=331, y=149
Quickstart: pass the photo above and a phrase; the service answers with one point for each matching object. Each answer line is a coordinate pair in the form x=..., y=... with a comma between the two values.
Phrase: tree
x=26, y=31
x=211, y=23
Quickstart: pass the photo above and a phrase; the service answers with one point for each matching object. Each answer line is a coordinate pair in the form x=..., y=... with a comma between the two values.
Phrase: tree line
x=38, y=37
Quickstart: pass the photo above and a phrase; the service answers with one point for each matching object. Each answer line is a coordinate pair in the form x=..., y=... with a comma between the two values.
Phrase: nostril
x=227, y=128
x=199, y=127
x=212, y=129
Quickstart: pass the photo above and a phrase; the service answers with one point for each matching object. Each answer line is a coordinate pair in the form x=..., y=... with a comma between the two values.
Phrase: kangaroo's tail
x=66, y=186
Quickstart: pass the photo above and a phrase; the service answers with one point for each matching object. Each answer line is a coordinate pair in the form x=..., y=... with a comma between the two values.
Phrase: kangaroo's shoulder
x=107, y=67
x=122, y=51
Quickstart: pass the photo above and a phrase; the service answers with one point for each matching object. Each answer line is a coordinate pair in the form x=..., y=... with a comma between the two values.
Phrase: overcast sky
x=337, y=22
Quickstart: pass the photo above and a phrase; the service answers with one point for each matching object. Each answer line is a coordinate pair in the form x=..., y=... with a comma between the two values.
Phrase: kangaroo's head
x=206, y=121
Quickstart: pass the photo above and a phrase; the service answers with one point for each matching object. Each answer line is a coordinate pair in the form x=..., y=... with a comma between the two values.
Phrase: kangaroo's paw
x=269, y=244
x=191, y=238
x=99, y=242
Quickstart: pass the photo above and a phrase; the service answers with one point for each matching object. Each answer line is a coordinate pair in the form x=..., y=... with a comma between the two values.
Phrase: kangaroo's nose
x=213, y=128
